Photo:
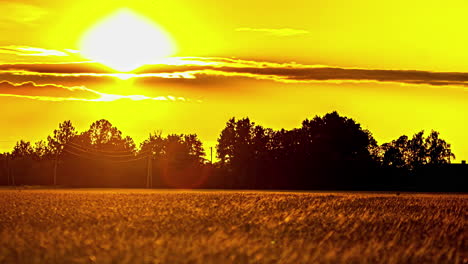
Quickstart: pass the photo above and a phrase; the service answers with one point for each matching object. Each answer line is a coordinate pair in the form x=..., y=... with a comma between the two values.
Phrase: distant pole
x=211, y=154
x=8, y=169
x=148, y=172
x=55, y=169
x=12, y=175
x=151, y=171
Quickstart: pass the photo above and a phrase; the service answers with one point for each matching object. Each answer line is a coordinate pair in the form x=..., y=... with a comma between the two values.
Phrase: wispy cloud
x=279, y=32
x=55, y=92
x=56, y=68
x=202, y=69
x=21, y=13
x=47, y=91
x=32, y=51
x=302, y=73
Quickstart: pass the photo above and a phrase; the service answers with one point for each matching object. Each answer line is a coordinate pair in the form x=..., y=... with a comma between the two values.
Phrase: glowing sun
x=126, y=41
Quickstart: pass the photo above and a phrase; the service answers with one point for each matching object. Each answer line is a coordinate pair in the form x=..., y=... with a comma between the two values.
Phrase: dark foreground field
x=139, y=226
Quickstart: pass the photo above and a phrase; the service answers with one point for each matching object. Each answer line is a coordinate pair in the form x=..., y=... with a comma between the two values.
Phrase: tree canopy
x=417, y=151
x=329, y=151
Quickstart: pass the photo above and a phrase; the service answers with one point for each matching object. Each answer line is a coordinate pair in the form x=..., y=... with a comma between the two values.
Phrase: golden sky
x=397, y=67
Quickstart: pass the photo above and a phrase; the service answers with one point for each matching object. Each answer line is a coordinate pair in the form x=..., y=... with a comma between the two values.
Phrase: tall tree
x=154, y=144
x=61, y=136
x=22, y=149
x=194, y=147
x=41, y=150
x=103, y=136
x=395, y=153
x=417, y=151
x=175, y=148
x=225, y=146
x=244, y=149
x=438, y=150
x=336, y=138
x=242, y=140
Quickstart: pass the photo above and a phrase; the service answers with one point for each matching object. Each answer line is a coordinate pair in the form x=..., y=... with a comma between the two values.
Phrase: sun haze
x=397, y=67
x=125, y=41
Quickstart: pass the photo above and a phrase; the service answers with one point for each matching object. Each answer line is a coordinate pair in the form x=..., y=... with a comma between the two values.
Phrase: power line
x=89, y=151
x=89, y=148
x=96, y=153
x=105, y=157
x=136, y=158
x=98, y=150
x=131, y=160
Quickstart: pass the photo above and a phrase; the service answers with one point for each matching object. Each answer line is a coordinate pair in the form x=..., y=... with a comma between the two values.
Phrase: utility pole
x=55, y=169
x=211, y=154
x=12, y=175
x=149, y=176
x=8, y=169
x=151, y=170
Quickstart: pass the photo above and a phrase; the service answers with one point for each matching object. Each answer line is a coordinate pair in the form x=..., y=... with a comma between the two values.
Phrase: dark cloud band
x=190, y=69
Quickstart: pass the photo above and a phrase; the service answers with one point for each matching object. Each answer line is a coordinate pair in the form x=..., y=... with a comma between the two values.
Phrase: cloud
x=56, y=68
x=88, y=81
x=55, y=92
x=335, y=74
x=21, y=13
x=31, y=51
x=279, y=32
x=300, y=73
x=199, y=70
x=59, y=92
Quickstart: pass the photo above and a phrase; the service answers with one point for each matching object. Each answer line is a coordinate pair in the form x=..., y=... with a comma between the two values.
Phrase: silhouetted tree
x=416, y=152
x=230, y=139
x=334, y=150
x=326, y=152
x=153, y=145
x=103, y=136
x=177, y=152
x=41, y=150
x=194, y=147
x=100, y=156
x=176, y=148
x=178, y=159
x=338, y=138
x=242, y=140
x=61, y=136
x=395, y=153
x=438, y=150
x=22, y=149
x=243, y=148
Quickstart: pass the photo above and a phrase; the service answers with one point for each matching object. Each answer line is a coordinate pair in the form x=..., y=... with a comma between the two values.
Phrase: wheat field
x=168, y=226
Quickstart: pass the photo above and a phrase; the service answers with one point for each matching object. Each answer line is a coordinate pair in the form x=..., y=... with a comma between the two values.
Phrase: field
x=157, y=226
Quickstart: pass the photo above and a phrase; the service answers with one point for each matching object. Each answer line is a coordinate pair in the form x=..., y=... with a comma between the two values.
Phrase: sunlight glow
x=126, y=41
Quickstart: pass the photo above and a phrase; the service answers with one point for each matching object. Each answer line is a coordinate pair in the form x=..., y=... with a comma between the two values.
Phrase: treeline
x=334, y=152
x=328, y=152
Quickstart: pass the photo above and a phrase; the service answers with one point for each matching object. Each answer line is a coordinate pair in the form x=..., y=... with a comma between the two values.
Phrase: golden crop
x=157, y=226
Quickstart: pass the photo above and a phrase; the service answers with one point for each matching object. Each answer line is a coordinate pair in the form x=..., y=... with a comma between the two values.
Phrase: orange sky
x=397, y=67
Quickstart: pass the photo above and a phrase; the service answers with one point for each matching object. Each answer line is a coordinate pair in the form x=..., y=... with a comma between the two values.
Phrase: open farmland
x=146, y=226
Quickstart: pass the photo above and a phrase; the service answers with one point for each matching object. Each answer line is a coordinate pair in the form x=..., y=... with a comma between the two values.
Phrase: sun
x=126, y=41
